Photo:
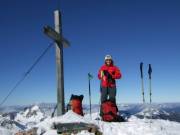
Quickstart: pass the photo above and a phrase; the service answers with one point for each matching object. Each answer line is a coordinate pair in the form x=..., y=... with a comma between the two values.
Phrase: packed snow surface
x=134, y=125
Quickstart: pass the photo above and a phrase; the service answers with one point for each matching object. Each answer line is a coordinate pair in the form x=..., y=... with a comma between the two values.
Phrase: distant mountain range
x=18, y=118
x=169, y=111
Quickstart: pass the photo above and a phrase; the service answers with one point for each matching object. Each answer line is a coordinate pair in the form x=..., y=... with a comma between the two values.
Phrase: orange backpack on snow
x=76, y=104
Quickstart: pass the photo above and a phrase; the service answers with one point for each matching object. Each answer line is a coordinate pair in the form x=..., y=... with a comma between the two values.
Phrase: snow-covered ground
x=34, y=116
x=4, y=131
x=134, y=125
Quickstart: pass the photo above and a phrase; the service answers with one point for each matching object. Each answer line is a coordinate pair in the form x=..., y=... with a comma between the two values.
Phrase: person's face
x=108, y=62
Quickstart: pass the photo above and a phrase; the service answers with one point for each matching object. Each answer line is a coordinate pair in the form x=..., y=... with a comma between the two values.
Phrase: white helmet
x=108, y=57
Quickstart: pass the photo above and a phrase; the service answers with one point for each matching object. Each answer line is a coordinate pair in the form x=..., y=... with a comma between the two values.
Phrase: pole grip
x=141, y=69
x=150, y=71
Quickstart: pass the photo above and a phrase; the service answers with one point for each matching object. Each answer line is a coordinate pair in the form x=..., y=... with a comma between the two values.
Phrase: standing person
x=108, y=73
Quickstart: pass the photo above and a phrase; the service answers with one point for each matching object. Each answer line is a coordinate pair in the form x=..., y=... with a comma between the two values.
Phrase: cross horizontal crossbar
x=55, y=36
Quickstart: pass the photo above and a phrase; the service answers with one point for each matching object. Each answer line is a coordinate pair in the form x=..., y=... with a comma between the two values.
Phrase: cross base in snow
x=29, y=132
x=69, y=128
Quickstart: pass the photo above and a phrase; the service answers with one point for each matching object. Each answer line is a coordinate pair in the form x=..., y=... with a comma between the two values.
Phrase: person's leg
x=104, y=94
x=112, y=94
x=112, y=98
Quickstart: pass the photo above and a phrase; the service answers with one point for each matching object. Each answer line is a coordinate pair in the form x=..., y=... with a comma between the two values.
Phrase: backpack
x=109, y=111
x=75, y=104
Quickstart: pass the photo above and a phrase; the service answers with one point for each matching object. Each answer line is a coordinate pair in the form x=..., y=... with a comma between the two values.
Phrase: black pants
x=108, y=92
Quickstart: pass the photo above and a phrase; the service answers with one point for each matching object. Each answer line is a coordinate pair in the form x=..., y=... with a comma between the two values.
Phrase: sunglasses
x=108, y=60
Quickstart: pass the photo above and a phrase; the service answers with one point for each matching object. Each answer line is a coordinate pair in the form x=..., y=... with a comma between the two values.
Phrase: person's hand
x=107, y=74
x=102, y=73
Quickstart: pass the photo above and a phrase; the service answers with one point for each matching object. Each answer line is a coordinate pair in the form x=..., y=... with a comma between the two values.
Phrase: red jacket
x=113, y=71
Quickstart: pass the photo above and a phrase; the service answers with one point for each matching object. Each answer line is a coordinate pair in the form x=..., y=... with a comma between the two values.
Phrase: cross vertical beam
x=60, y=43
x=59, y=65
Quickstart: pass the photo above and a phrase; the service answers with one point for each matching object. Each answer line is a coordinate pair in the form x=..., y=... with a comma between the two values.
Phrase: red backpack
x=109, y=111
x=76, y=104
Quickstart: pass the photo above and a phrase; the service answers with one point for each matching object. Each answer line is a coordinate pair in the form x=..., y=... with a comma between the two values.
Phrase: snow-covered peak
x=10, y=125
x=30, y=115
x=35, y=108
x=33, y=111
x=153, y=112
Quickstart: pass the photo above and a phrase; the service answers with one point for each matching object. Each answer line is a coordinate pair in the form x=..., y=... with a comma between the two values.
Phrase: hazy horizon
x=132, y=31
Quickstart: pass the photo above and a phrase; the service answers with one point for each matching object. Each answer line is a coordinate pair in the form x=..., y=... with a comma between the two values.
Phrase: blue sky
x=131, y=31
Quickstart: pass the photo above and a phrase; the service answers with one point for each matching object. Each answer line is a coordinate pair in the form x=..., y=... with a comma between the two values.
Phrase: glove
x=108, y=75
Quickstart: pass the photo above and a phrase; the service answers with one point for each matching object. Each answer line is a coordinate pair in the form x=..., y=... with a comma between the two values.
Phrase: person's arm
x=100, y=74
x=117, y=74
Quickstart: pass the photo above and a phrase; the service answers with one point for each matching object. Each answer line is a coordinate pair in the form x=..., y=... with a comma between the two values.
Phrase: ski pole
x=52, y=115
x=142, y=81
x=89, y=79
x=150, y=90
